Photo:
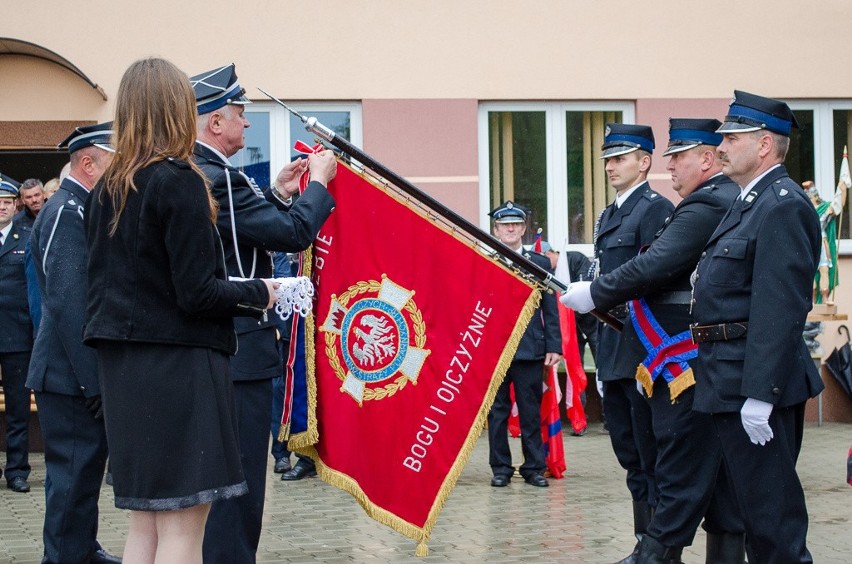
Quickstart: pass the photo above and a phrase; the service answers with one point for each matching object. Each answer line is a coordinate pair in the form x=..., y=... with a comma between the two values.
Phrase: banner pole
x=520, y=262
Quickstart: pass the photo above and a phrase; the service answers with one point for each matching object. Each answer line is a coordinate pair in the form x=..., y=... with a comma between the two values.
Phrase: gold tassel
x=644, y=378
x=681, y=383
x=422, y=549
x=283, y=433
x=311, y=435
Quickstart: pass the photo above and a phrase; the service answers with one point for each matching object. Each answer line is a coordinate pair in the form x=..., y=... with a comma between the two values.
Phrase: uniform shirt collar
x=621, y=198
x=6, y=230
x=72, y=179
x=216, y=152
x=754, y=182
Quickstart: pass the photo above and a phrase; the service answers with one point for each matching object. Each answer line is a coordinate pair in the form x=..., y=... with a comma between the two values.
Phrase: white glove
x=640, y=388
x=599, y=386
x=578, y=297
x=755, y=417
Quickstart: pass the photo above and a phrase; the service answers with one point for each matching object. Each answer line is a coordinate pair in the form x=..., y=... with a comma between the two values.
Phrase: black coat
x=252, y=224
x=16, y=327
x=758, y=266
x=666, y=266
x=161, y=278
x=60, y=362
x=542, y=335
x=621, y=234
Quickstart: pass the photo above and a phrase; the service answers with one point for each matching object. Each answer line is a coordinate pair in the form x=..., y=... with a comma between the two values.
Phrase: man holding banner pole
x=251, y=224
x=622, y=229
x=540, y=347
x=656, y=284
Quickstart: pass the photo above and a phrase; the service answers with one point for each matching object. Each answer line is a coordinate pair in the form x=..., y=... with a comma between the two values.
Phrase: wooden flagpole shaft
x=523, y=264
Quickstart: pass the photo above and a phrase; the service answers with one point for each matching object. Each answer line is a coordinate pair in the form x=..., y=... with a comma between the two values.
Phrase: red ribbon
x=305, y=149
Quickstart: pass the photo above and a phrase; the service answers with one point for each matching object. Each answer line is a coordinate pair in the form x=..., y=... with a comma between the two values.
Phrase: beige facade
x=423, y=72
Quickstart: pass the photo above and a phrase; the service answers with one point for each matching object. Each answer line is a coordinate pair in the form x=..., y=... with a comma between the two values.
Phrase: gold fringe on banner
x=303, y=443
x=422, y=534
x=283, y=433
x=311, y=435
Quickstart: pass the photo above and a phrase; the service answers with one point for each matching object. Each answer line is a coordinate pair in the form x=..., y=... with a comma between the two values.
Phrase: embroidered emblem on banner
x=378, y=333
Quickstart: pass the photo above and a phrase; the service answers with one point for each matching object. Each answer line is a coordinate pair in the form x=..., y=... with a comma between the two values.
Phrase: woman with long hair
x=160, y=312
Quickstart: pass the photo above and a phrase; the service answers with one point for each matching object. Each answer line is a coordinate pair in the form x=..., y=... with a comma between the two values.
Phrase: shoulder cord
x=234, y=231
x=50, y=239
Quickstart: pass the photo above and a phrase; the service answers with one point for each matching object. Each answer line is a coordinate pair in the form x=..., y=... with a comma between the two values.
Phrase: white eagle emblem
x=378, y=344
x=379, y=338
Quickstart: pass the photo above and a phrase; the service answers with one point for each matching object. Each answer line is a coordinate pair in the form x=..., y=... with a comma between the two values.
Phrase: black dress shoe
x=537, y=480
x=282, y=465
x=18, y=484
x=500, y=480
x=298, y=472
x=101, y=556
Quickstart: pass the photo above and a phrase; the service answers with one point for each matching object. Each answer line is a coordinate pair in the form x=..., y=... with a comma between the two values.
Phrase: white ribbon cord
x=295, y=295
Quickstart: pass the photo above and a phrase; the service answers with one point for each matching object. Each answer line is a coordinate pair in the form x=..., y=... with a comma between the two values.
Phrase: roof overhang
x=11, y=46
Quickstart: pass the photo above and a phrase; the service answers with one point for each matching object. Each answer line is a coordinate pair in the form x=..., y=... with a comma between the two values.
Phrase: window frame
x=824, y=173
x=279, y=125
x=556, y=158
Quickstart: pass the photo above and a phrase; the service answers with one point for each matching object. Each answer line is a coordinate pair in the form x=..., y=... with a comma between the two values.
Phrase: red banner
x=412, y=332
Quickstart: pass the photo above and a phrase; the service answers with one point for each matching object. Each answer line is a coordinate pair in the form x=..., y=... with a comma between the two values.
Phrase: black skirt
x=170, y=425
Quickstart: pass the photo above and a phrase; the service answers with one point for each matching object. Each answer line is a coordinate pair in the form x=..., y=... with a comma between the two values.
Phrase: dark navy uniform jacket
x=622, y=233
x=16, y=327
x=250, y=224
x=60, y=363
x=758, y=266
x=542, y=335
x=666, y=266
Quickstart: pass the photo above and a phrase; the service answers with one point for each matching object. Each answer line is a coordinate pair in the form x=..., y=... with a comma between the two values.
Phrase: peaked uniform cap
x=750, y=112
x=8, y=186
x=99, y=135
x=686, y=133
x=508, y=212
x=623, y=138
x=217, y=88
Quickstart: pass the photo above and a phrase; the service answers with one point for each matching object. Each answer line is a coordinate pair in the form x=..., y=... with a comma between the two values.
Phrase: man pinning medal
x=252, y=224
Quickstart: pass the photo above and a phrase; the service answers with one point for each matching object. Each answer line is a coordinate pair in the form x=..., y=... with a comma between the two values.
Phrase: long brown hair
x=155, y=118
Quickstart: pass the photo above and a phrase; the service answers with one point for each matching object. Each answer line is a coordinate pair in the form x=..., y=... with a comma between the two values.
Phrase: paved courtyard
x=585, y=517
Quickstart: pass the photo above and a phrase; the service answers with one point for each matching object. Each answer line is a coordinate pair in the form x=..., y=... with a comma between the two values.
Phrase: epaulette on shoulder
x=784, y=187
x=652, y=196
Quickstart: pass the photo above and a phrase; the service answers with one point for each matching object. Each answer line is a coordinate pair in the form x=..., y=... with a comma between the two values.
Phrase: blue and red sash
x=667, y=354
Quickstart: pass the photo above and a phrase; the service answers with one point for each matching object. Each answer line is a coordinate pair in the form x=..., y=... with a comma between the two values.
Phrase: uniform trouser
x=233, y=527
x=279, y=448
x=14, y=366
x=628, y=418
x=766, y=485
x=688, y=477
x=75, y=454
x=527, y=376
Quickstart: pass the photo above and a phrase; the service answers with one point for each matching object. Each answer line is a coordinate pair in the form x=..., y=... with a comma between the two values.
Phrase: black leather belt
x=665, y=298
x=721, y=332
x=620, y=311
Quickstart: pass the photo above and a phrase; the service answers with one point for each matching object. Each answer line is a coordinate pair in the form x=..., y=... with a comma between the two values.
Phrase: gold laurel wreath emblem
x=388, y=390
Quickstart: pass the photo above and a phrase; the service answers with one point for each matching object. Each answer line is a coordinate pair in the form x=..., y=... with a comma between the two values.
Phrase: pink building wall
x=433, y=143
x=656, y=113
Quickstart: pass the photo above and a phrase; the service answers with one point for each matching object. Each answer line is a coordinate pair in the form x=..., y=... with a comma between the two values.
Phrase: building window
x=545, y=156
x=273, y=131
x=825, y=128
